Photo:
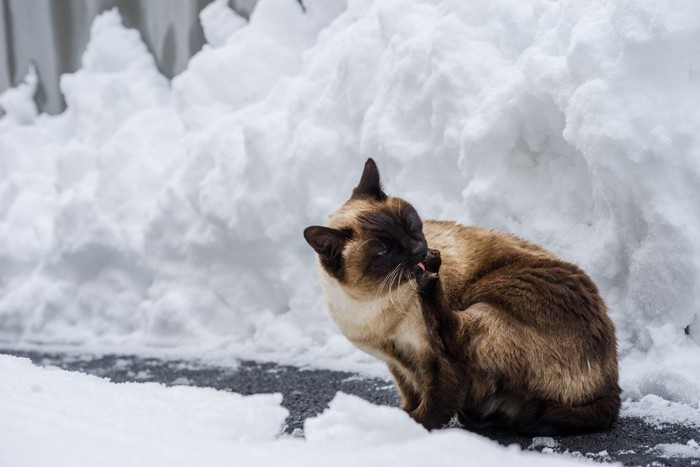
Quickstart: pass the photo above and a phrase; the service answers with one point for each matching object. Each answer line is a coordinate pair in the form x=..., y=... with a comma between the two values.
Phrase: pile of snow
x=59, y=418
x=151, y=215
x=658, y=411
x=690, y=449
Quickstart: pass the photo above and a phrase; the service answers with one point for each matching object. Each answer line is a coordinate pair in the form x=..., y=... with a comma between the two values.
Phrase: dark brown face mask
x=391, y=234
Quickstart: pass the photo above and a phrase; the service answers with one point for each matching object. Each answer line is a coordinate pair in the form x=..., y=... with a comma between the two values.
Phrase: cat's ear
x=329, y=244
x=370, y=186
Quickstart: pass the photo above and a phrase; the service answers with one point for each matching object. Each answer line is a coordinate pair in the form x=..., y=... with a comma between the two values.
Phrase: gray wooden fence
x=52, y=34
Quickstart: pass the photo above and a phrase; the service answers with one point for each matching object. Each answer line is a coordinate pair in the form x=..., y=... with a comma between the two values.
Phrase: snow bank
x=149, y=216
x=59, y=418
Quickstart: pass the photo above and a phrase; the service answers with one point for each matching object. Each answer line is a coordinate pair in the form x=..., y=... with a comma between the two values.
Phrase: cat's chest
x=372, y=324
x=355, y=318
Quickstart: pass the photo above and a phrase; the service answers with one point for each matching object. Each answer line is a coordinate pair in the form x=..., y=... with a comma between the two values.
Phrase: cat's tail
x=548, y=418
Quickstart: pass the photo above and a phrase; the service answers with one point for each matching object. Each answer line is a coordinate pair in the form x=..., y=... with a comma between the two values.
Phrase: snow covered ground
x=155, y=216
x=59, y=418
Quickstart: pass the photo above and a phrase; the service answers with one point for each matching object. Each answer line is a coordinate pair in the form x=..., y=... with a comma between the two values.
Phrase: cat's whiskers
x=412, y=281
x=391, y=285
x=383, y=284
x=397, y=273
x=400, y=276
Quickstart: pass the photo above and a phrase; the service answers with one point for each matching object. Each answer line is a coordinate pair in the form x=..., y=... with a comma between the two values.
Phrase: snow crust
x=152, y=215
x=59, y=418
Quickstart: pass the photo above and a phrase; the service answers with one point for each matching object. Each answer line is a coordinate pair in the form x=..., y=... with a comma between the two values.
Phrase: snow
x=690, y=449
x=658, y=411
x=56, y=417
x=17, y=104
x=59, y=418
x=156, y=216
x=543, y=441
x=219, y=22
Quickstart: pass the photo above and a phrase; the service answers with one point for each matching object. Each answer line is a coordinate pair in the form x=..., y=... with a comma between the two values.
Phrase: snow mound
x=59, y=418
x=353, y=431
x=341, y=423
x=149, y=216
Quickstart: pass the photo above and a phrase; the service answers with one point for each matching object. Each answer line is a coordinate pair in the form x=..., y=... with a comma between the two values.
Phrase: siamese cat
x=470, y=322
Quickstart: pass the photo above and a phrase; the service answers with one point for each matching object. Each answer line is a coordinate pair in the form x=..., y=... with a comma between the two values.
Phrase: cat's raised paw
x=432, y=261
x=428, y=278
x=427, y=282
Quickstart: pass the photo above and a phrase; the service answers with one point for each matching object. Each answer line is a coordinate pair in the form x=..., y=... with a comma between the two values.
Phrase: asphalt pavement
x=307, y=393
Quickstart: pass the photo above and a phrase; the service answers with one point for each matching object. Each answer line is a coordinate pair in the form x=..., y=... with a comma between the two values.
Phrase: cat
x=471, y=322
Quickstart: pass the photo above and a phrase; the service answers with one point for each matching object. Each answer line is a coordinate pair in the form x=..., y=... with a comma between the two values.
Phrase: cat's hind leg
x=550, y=418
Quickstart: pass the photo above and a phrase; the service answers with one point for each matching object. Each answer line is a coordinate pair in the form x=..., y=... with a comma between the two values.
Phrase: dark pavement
x=307, y=393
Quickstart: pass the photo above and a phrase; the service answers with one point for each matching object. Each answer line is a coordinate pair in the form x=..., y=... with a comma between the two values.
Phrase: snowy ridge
x=152, y=216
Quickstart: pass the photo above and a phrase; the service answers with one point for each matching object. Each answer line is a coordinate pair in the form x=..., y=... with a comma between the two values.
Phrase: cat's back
x=481, y=265
x=541, y=315
x=471, y=252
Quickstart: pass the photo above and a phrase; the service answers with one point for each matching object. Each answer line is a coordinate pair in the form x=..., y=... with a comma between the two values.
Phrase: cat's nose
x=418, y=249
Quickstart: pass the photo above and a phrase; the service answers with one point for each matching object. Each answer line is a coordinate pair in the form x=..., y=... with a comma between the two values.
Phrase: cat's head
x=372, y=239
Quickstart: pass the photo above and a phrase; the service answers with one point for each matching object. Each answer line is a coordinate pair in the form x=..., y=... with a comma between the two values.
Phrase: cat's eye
x=379, y=254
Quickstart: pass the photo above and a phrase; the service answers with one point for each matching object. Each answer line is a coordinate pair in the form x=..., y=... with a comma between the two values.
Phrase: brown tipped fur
x=497, y=330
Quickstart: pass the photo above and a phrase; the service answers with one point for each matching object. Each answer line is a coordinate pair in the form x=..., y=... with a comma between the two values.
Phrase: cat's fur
x=483, y=325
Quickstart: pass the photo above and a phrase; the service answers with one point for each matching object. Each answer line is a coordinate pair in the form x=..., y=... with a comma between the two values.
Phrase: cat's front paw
x=427, y=282
x=428, y=277
x=432, y=261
